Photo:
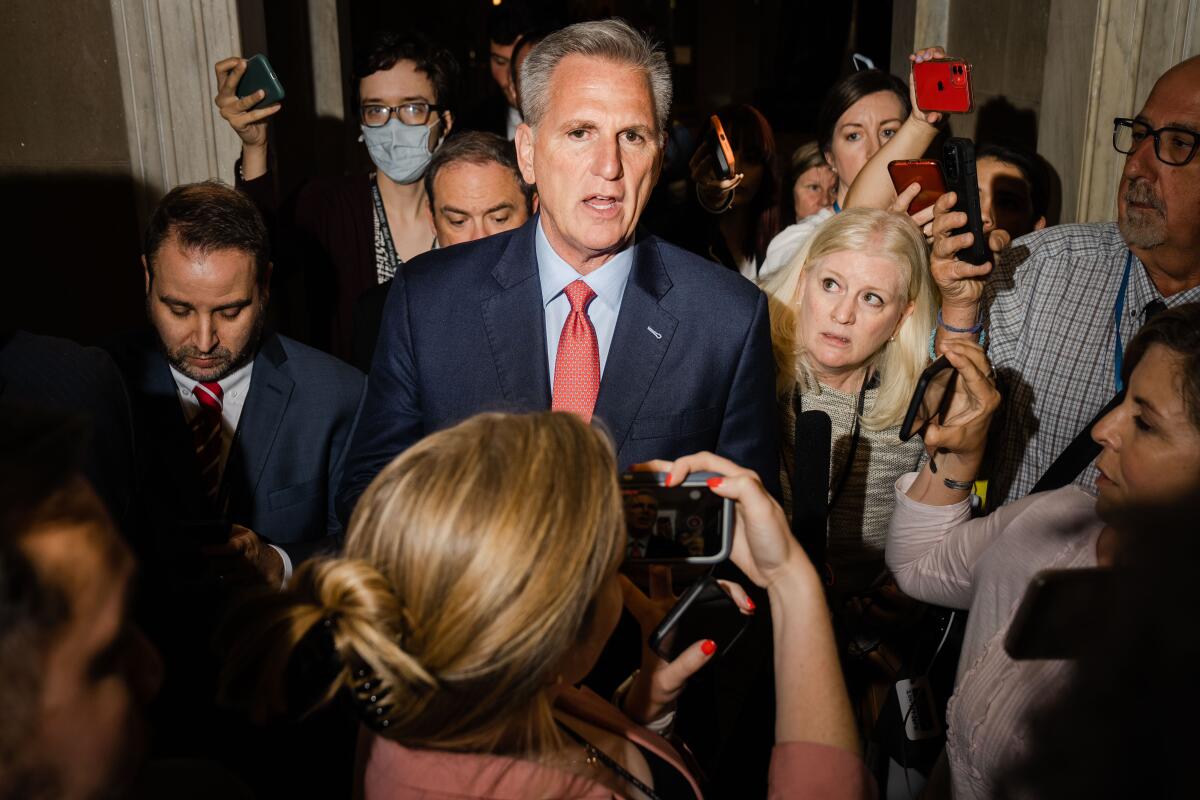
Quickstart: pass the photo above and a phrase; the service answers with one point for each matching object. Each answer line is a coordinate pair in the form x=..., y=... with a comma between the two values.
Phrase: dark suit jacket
x=690, y=367
x=287, y=454
x=52, y=374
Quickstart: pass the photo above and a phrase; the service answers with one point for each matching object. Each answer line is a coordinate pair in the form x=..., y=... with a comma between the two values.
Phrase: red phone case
x=926, y=172
x=943, y=84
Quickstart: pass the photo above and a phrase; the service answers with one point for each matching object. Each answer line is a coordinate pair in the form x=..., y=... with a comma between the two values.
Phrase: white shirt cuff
x=287, y=565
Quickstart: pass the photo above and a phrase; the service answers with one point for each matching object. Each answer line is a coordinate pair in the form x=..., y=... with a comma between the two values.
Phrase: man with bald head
x=1064, y=302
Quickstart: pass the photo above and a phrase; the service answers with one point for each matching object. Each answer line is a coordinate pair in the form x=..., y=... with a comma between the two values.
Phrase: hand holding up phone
x=960, y=282
x=961, y=427
x=248, y=122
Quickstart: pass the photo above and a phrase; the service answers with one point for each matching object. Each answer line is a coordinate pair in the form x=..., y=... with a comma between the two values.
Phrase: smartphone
x=958, y=161
x=681, y=524
x=943, y=84
x=704, y=611
x=931, y=398
x=722, y=152
x=926, y=172
x=1062, y=613
x=260, y=75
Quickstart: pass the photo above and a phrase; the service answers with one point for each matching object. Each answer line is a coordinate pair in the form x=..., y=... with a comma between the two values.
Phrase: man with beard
x=240, y=438
x=1063, y=302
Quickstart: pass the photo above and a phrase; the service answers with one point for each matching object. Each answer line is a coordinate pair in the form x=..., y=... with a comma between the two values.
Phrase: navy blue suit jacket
x=287, y=455
x=690, y=367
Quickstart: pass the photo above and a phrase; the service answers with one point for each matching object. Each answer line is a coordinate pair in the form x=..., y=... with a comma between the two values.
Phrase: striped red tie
x=577, y=367
x=206, y=433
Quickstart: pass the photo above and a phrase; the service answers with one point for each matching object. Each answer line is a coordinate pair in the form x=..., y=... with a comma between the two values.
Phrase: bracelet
x=933, y=340
x=976, y=328
x=725, y=207
x=961, y=486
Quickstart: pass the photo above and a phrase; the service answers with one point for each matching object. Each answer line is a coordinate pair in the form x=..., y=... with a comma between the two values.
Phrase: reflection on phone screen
x=672, y=523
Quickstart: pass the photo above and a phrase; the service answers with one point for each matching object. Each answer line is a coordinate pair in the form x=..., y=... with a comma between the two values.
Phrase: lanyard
x=1118, y=310
x=385, y=232
x=837, y=208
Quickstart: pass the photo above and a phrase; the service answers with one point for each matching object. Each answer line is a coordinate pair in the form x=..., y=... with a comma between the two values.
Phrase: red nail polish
x=714, y=482
x=667, y=480
x=709, y=647
x=750, y=604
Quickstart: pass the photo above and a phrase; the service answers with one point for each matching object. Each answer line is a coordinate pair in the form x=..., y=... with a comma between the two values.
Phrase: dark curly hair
x=388, y=47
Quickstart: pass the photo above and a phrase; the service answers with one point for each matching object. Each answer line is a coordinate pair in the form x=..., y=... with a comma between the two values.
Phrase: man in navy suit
x=240, y=439
x=671, y=353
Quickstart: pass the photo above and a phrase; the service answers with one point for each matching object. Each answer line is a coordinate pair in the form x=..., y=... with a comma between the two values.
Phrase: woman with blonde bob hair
x=850, y=321
x=478, y=586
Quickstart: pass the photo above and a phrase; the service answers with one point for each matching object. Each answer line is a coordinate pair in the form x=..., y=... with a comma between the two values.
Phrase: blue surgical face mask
x=399, y=151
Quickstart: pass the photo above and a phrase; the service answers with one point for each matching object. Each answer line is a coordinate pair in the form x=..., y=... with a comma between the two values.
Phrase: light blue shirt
x=608, y=282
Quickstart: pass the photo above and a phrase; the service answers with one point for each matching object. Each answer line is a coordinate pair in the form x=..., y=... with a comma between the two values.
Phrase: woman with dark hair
x=862, y=114
x=1150, y=457
x=347, y=234
x=743, y=212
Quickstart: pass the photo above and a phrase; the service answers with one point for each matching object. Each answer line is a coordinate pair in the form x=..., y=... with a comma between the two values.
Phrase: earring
x=893, y=338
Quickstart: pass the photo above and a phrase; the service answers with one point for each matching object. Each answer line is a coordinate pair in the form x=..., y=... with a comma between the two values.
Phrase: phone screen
x=931, y=399
x=675, y=523
x=703, y=612
x=1061, y=613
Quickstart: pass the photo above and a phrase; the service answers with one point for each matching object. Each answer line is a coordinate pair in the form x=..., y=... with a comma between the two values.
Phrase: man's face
x=641, y=513
x=595, y=157
x=207, y=308
x=472, y=201
x=99, y=670
x=498, y=61
x=1158, y=204
x=1006, y=198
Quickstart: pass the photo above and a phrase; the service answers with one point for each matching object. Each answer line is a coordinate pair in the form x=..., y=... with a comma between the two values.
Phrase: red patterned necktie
x=206, y=433
x=577, y=366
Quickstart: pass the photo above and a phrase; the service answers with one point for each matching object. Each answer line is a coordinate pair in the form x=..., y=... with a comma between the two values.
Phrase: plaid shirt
x=1049, y=309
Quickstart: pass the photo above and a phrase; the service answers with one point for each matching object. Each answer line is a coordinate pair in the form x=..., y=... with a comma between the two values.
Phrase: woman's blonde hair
x=900, y=362
x=470, y=572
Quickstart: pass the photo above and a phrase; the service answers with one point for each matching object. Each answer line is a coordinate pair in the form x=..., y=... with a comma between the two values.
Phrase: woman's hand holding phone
x=711, y=189
x=924, y=54
x=959, y=438
x=247, y=122
x=659, y=683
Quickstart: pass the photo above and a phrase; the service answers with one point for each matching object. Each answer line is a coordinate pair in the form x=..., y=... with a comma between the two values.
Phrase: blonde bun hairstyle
x=471, y=569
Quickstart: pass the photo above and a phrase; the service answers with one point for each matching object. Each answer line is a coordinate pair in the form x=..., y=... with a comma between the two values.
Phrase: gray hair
x=609, y=39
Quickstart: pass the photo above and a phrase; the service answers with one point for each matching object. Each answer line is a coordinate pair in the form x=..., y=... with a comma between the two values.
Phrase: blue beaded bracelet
x=933, y=339
x=976, y=328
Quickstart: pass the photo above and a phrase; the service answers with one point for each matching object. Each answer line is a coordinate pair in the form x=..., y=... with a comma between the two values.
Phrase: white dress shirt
x=608, y=282
x=234, y=389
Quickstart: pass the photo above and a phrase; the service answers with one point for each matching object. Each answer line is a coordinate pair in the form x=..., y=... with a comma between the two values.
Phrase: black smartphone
x=722, y=152
x=931, y=398
x=685, y=523
x=958, y=166
x=260, y=75
x=1062, y=613
x=704, y=611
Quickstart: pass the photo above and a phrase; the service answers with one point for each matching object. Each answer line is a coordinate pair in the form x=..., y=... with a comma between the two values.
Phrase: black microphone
x=810, y=483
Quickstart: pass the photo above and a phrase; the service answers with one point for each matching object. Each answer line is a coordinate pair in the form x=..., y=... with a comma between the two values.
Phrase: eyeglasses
x=415, y=113
x=1174, y=146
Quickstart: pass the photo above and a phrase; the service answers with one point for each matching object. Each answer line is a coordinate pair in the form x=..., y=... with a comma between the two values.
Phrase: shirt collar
x=235, y=381
x=608, y=281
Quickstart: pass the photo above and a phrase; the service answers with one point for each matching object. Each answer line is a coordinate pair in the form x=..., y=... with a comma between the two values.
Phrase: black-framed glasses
x=417, y=112
x=1174, y=146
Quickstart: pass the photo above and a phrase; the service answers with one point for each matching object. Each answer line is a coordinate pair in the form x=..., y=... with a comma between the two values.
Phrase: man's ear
x=265, y=287
x=146, y=270
x=1041, y=223
x=534, y=201
x=524, y=143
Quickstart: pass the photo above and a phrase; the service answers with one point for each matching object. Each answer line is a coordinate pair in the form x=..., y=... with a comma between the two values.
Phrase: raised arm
x=248, y=123
x=872, y=188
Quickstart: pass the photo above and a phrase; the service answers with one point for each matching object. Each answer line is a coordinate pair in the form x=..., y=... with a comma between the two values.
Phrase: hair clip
x=369, y=699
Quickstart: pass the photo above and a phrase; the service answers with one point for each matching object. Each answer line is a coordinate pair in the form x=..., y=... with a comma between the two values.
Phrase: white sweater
x=940, y=555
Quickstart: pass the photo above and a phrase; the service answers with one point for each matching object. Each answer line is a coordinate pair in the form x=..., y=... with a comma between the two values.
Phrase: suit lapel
x=515, y=323
x=640, y=341
x=270, y=390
